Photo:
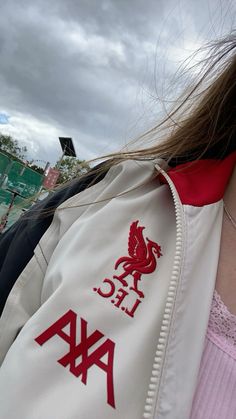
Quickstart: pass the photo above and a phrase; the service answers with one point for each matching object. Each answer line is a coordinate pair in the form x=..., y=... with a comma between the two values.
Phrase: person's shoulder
x=17, y=244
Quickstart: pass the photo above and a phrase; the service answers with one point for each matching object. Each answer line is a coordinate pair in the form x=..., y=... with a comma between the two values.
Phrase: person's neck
x=230, y=194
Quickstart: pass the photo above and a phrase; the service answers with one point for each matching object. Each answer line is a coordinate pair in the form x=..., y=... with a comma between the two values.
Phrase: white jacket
x=109, y=317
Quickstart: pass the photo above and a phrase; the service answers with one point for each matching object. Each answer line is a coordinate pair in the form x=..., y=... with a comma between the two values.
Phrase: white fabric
x=81, y=248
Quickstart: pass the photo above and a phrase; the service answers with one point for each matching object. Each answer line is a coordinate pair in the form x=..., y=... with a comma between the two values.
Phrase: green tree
x=11, y=146
x=70, y=168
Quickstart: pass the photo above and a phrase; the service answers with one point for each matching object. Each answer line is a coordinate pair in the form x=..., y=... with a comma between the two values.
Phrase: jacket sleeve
x=18, y=243
x=22, y=263
x=23, y=302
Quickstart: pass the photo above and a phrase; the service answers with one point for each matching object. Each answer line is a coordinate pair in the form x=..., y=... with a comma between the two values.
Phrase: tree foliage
x=70, y=168
x=11, y=146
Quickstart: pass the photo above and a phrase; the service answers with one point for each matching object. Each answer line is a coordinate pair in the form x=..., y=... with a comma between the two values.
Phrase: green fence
x=17, y=178
x=4, y=163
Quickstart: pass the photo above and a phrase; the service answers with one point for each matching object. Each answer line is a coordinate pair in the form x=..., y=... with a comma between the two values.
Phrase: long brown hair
x=203, y=124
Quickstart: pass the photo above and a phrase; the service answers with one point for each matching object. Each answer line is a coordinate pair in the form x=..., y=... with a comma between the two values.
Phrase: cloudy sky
x=92, y=69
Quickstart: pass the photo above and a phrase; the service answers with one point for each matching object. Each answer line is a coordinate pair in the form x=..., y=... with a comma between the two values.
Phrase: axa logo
x=141, y=260
x=81, y=356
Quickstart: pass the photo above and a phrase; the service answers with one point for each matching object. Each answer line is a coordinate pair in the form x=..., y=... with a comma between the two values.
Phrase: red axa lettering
x=80, y=369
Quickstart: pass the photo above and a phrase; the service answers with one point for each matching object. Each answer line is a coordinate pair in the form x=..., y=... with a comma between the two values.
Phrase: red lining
x=202, y=182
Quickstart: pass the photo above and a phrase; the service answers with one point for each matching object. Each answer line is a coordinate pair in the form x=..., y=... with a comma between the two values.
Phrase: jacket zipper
x=152, y=394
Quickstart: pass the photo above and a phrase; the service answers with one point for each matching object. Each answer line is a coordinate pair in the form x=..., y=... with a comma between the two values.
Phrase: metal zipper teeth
x=152, y=393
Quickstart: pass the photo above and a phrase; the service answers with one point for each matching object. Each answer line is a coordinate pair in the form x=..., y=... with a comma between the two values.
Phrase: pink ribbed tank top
x=215, y=395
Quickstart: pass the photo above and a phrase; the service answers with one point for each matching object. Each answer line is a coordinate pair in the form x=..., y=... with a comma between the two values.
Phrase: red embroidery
x=142, y=259
x=81, y=350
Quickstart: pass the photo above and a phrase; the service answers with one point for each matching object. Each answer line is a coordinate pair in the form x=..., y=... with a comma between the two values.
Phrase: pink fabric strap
x=222, y=326
x=215, y=395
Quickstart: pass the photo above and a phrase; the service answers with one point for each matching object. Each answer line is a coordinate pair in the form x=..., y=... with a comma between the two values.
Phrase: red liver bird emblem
x=142, y=259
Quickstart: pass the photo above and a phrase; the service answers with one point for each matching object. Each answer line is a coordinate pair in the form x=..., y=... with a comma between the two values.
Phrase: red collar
x=202, y=182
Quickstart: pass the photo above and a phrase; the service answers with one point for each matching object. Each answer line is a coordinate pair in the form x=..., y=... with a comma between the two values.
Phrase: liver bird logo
x=142, y=259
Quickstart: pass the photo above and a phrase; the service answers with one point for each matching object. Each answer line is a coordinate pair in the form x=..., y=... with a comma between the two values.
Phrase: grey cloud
x=88, y=67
